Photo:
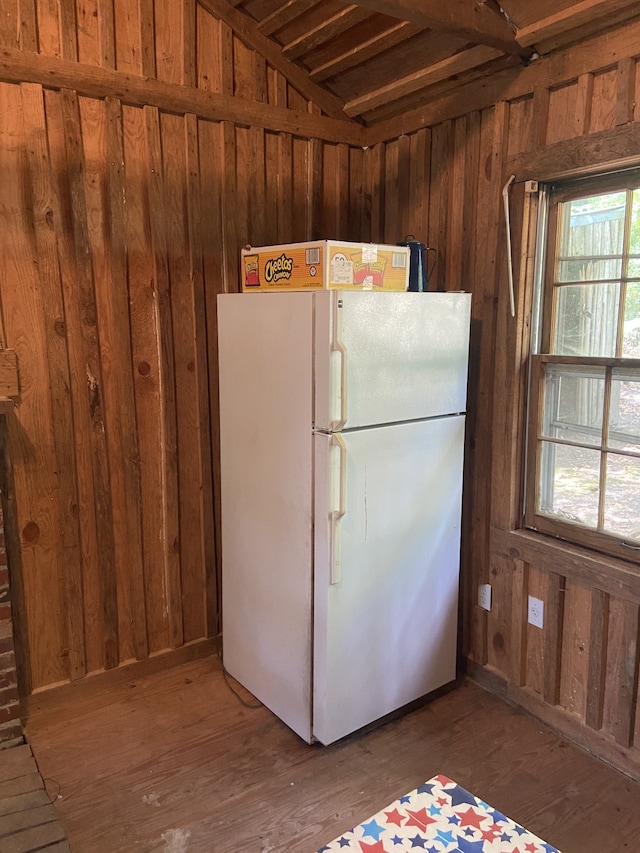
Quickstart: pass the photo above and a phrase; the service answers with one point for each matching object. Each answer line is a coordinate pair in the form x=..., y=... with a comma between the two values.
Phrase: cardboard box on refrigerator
x=325, y=264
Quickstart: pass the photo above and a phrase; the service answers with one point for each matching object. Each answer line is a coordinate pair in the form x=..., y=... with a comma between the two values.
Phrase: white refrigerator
x=341, y=437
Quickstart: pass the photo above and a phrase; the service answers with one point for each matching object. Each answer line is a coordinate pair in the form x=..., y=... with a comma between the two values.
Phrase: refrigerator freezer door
x=389, y=357
x=386, y=569
x=265, y=357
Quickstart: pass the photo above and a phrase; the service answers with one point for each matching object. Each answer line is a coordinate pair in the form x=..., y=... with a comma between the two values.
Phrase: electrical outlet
x=484, y=596
x=536, y=612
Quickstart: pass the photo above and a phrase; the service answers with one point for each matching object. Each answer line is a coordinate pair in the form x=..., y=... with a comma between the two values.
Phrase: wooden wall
x=573, y=113
x=121, y=218
x=125, y=200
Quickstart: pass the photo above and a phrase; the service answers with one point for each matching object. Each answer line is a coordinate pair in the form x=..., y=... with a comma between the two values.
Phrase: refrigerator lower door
x=387, y=552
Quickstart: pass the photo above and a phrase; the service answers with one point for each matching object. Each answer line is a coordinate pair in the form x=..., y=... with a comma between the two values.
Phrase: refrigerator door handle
x=336, y=515
x=338, y=347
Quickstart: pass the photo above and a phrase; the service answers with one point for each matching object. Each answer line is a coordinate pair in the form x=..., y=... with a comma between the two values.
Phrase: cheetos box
x=325, y=264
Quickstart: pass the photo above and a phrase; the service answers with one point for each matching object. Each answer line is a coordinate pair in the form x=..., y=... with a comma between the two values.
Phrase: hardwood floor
x=175, y=763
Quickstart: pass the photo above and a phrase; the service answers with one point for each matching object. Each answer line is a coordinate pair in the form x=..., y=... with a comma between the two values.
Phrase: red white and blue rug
x=439, y=817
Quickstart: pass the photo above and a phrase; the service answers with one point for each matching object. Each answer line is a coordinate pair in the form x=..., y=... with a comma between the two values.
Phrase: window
x=583, y=454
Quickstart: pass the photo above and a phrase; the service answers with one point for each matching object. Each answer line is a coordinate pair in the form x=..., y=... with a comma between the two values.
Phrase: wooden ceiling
x=373, y=60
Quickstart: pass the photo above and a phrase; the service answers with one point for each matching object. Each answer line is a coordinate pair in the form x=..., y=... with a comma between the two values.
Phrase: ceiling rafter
x=369, y=49
x=472, y=21
x=248, y=32
x=580, y=13
x=452, y=65
x=333, y=26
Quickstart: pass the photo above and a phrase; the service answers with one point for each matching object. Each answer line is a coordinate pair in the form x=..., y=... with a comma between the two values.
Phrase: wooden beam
x=473, y=22
x=367, y=50
x=324, y=32
x=567, y=19
x=583, y=155
x=282, y=16
x=452, y=65
x=18, y=66
x=600, y=52
x=247, y=31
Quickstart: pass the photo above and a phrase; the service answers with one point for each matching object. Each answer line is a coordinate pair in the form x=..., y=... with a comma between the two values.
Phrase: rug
x=439, y=817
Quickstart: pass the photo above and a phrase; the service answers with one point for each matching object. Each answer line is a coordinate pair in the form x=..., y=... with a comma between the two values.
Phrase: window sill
x=585, y=567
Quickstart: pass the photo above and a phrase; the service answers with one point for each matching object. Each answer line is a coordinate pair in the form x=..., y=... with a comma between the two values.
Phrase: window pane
x=587, y=320
x=573, y=404
x=631, y=336
x=589, y=269
x=593, y=226
x=624, y=416
x=622, y=496
x=569, y=482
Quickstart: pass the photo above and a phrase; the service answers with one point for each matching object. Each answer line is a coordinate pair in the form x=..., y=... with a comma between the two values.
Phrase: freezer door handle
x=335, y=515
x=338, y=347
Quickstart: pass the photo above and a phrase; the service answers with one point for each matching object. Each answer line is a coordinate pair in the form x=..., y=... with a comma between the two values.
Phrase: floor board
x=28, y=820
x=175, y=763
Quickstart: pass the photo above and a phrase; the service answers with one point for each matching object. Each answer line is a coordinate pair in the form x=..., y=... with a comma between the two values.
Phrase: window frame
x=547, y=251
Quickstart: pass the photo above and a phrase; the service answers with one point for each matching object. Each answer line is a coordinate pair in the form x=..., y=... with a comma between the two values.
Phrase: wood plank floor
x=175, y=763
x=28, y=821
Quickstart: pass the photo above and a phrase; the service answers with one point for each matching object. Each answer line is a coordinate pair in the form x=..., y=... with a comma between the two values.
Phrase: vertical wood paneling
x=208, y=61
x=145, y=368
x=625, y=90
x=210, y=168
x=598, y=653
x=399, y=229
x=561, y=121
x=147, y=37
x=205, y=542
x=68, y=29
x=604, y=101
x=636, y=88
x=441, y=149
x=93, y=607
x=520, y=121
x=45, y=212
x=231, y=237
x=519, y=605
x=93, y=398
x=271, y=178
x=575, y=650
x=358, y=225
x=125, y=454
x=584, y=103
x=455, y=214
x=181, y=381
x=492, y=129
x=499, y=617
x=536, y=659
x=89, y=51
x=417, y=217
x=621, y=681
x=168, y=37
x=48, y=28
x=168, y=431
x=127, y=36
x=377, y=166
x=391, y=190
x=28, y=38
x=259, y=212
x=34, y=462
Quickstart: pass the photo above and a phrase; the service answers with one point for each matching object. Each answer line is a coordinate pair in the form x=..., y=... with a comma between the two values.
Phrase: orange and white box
x=325, y=264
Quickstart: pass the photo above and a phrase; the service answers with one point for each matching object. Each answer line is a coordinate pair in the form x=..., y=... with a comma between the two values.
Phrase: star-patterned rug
x=439, y=817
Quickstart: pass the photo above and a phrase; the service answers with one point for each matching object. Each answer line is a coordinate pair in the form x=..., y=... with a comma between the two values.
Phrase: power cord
x=226, y=677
